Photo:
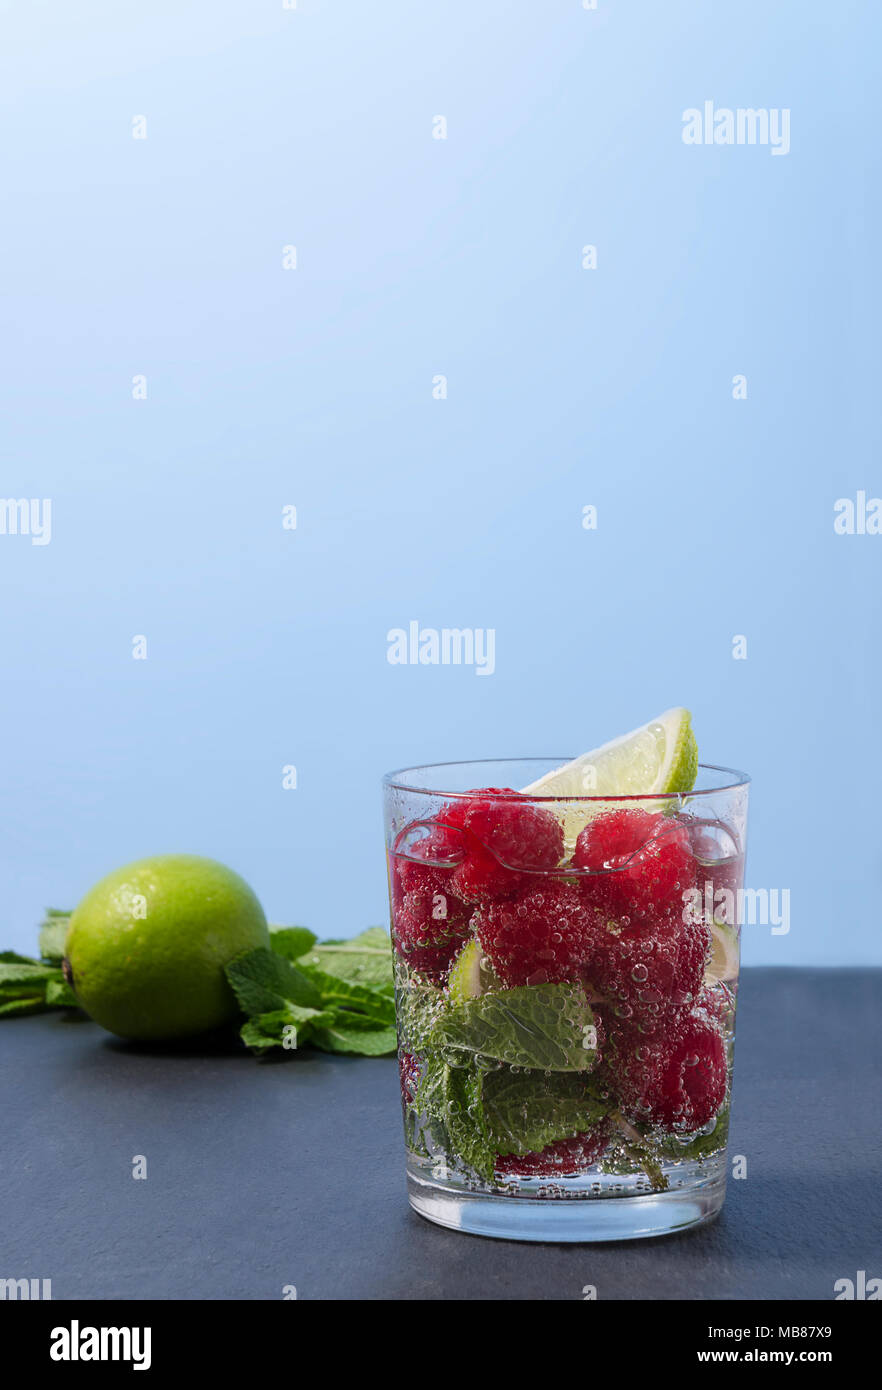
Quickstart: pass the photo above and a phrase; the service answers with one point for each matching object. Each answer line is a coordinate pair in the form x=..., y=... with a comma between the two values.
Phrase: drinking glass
x=566, y=978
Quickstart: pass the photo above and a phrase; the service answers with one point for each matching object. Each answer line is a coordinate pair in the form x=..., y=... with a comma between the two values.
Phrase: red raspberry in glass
x=561, y=1159
x=545, y=934
x=519, y=834
x=504, y=837
x=426, y=912
x=631, y=1067
x=431, y=961
x=431, y=913
x=481, y=877
x=408, y=1076
x=649, y=970
x=645, y=861
x=438, y=852
x=676, y=1081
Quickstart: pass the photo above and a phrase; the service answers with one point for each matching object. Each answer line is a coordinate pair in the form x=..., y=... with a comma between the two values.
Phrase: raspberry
x=678, y=1081
x=631, y=1066
x=503, y=839
x=409, y=1076
x=650, y=863
x=649, y=971
x=482, y=878
x=561, y=1159
x=430, y=914
x=455, y=812
x=545, y=934
x=426, y=911
x=694, y=943
x=522, y=836
x=440, y=850
x=432, y=961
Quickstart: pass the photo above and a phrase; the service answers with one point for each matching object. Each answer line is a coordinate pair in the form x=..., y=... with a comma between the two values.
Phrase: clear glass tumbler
x=566, y=977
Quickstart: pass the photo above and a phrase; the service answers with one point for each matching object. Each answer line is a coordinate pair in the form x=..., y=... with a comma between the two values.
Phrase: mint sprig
x=334, y=996
x=505, y=1072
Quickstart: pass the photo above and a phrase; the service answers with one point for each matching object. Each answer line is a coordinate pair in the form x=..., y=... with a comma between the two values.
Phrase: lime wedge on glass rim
x=659, y=757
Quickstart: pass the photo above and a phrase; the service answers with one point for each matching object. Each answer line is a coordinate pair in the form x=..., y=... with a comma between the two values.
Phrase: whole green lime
x=146, y=948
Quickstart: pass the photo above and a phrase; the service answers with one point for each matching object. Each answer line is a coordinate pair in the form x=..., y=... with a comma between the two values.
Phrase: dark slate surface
x=262, y=1175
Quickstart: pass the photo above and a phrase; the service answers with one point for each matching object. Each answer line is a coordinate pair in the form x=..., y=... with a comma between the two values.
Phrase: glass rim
x=736, y=781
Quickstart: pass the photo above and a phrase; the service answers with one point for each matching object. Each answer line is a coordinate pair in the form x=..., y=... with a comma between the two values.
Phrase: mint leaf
x=343, y=993
x=342, y=1036
x=59, y=995
x=428, y=1102
x=372, y=938
x=366, y=959
x=27, y=986
x=543, y=1027
x=291, y=942
x=465, y=1120
x=288, y=1028
x=265, y=1031
x=419, y=1008
x=53, y=931
x=30, y=986
x=356, y=1023
x=451, y=1097
x=525, y=1111
x=263, y=982
x=20, y=976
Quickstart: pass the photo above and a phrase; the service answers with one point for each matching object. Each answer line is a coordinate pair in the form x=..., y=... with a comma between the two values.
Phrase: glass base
x=573, y=1216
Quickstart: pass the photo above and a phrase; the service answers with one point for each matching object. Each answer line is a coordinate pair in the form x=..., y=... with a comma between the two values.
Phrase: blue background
x=313, y=127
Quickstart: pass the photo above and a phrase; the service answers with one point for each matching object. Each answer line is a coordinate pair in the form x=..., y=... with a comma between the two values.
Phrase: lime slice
x=723, y=960
x=471, y=974
x=662, y=756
